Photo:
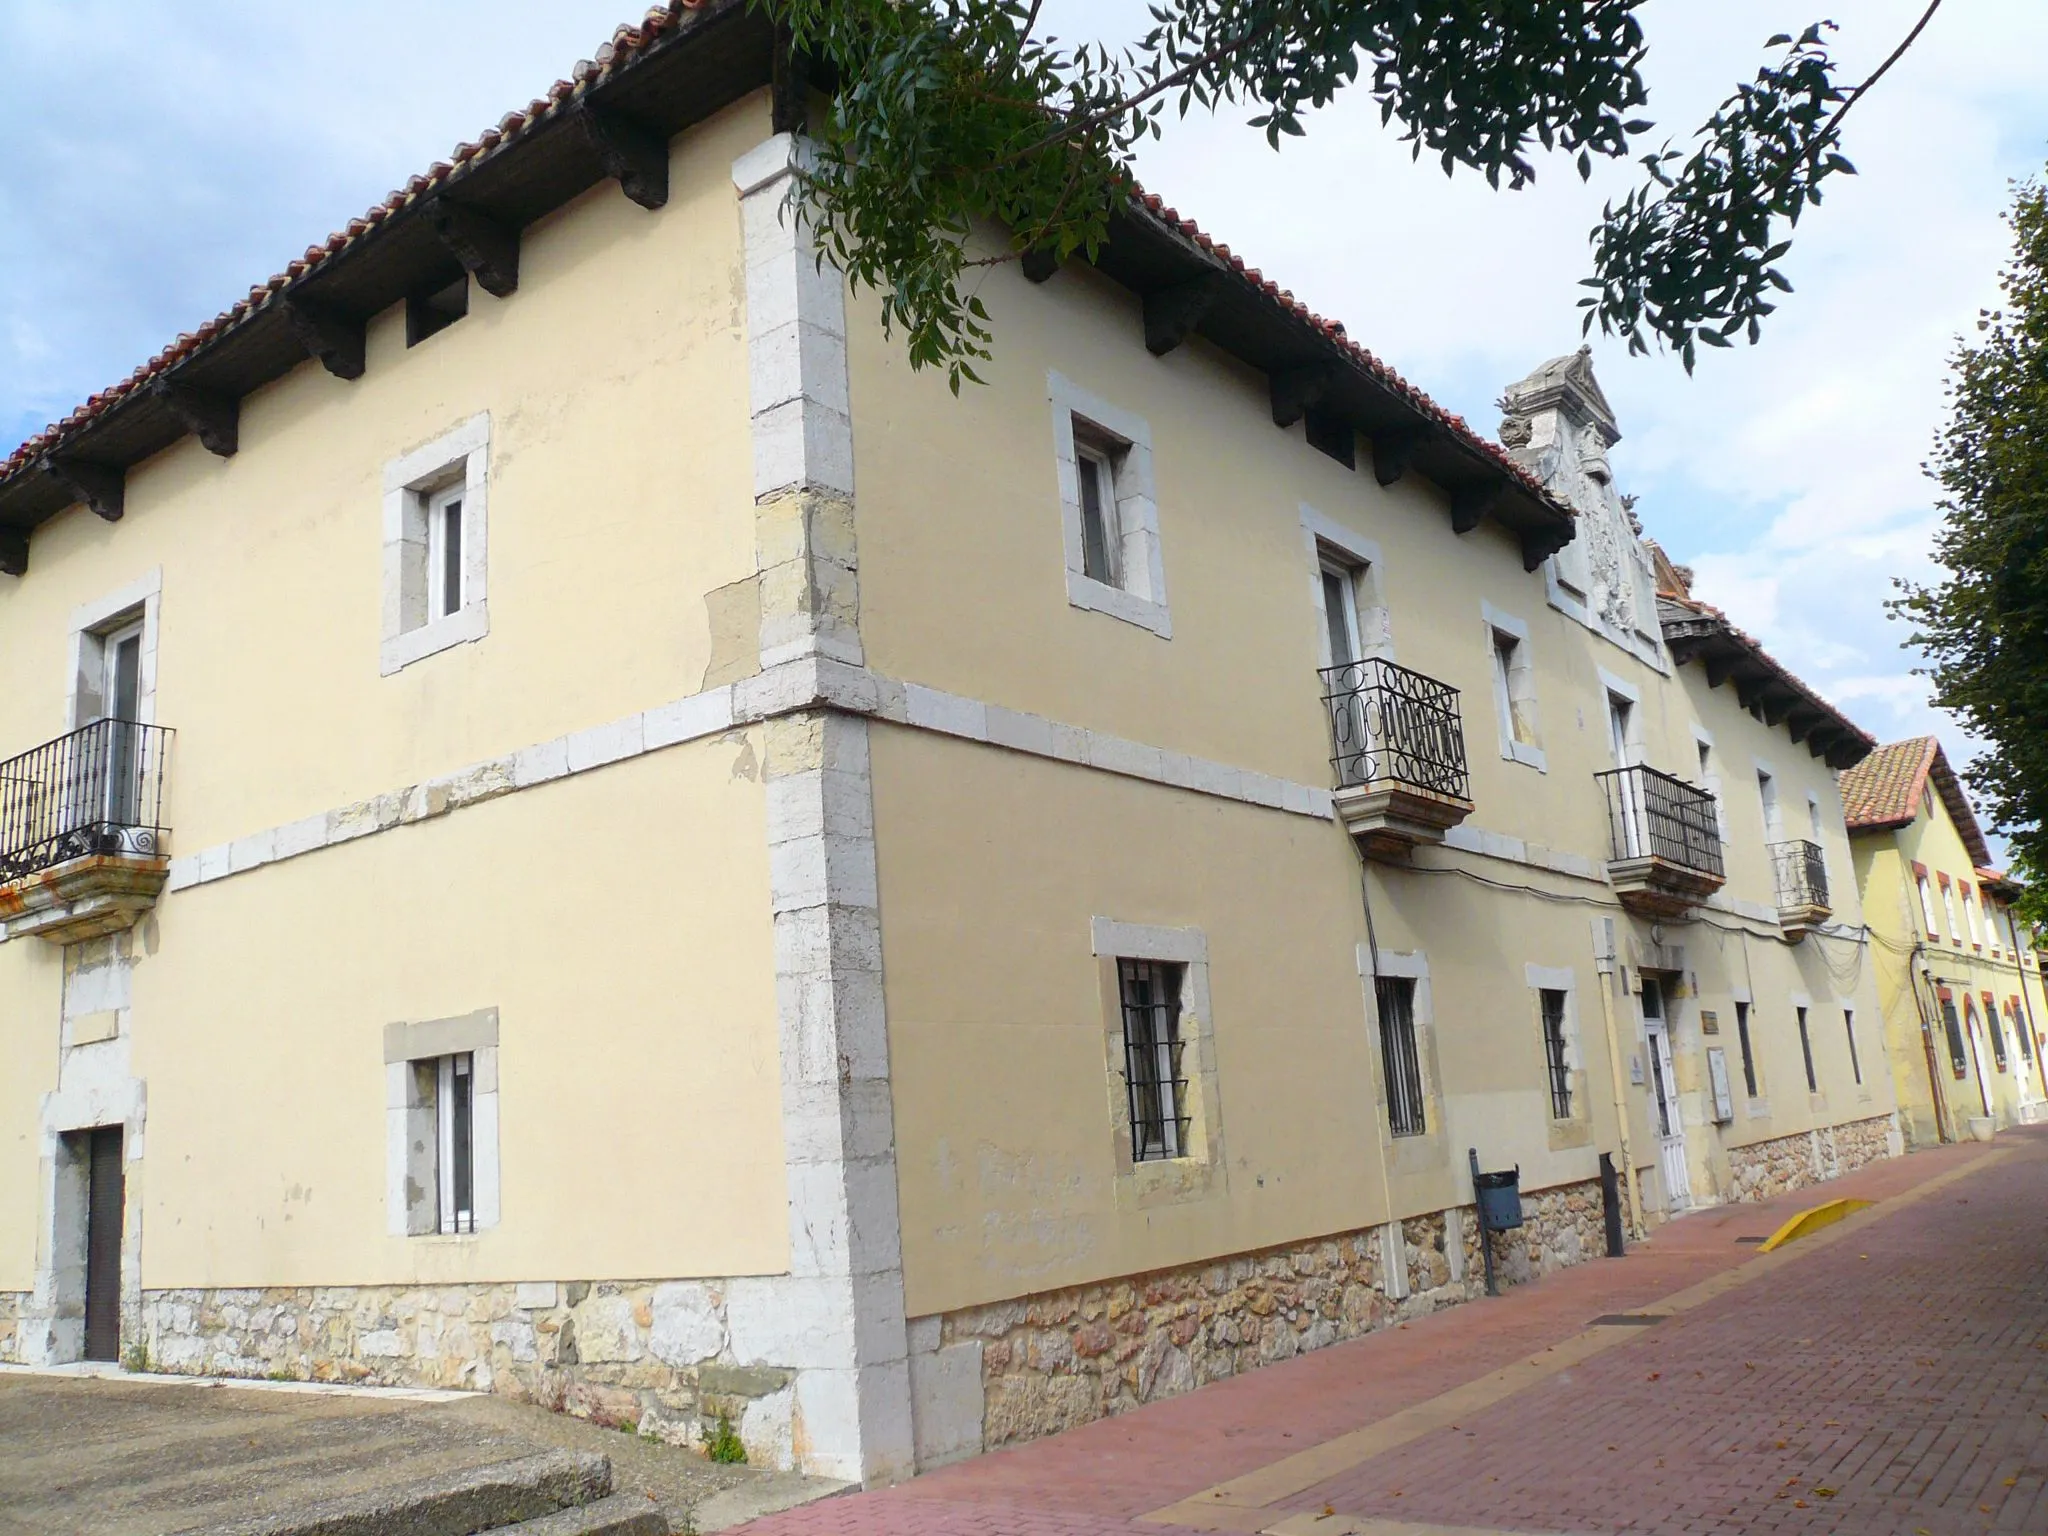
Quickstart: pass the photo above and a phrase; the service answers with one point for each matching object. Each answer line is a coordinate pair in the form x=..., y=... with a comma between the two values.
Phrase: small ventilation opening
x=435, y=310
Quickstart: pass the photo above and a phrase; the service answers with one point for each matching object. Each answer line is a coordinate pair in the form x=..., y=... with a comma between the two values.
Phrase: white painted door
x=1664, y=1110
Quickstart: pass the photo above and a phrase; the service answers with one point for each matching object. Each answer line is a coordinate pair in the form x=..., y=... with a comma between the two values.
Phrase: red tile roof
x=627, y=44
x=1883, y=792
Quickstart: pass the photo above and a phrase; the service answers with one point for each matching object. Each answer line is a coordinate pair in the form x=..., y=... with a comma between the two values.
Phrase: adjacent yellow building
x=574, y=827
x=1959, y=980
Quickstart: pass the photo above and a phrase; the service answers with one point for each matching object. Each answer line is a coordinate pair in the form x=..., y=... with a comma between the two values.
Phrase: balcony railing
x=1651, y=815
x=1802, y=873
x=1390, y=725
x=98, y=790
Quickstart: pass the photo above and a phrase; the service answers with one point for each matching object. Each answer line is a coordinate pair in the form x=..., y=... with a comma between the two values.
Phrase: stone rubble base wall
x=668, y=1359
x=1786, y=1163
x=1053, y=1361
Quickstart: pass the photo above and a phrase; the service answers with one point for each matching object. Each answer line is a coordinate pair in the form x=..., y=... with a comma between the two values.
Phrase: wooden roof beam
x=488, y=251
x=1471, y=503
x=103, y=487
x=1171, y=314
x=13, y=551
x=212, y=417
x=1296, y=389
x=332, y=338
x=633, y=156
x=1393, y=449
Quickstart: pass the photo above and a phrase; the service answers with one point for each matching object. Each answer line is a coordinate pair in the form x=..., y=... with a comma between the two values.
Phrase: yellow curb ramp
x=1812, y=1219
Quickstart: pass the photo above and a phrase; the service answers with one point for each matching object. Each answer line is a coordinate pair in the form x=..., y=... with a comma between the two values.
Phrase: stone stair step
x=453, y=1504
x=623, y=1514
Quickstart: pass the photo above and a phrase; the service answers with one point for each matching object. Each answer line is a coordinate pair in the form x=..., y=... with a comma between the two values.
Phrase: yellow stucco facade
x=767, y=833
x=1959, y=980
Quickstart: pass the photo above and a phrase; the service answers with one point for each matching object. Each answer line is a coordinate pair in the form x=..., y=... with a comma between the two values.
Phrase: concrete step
x=454, y=1504
x=623, y=1514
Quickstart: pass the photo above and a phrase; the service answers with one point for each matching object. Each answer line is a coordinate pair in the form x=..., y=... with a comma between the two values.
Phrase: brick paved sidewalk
x=1884, y=1376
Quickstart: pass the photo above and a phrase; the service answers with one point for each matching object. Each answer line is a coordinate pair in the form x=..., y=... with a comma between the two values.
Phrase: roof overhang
x=651, y=84
x=1762, y=685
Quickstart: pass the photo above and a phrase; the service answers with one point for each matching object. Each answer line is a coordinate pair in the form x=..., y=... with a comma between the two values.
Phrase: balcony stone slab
x=1659, y=889
x=1798, y=921
x=83, y=898
x=1391, y=819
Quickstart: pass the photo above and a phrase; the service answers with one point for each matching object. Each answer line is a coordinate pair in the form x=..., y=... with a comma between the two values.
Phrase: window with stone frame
x=1109, y=512
x=1514, y=687
x=443, y=1166
x=443, y=1125
x=435, y=555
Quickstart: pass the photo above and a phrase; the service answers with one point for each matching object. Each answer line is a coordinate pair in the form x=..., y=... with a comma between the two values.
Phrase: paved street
x=1866, y=1378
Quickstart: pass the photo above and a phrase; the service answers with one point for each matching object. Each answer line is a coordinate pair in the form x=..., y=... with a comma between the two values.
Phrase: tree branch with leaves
x=945, y=115
x=1984, y=628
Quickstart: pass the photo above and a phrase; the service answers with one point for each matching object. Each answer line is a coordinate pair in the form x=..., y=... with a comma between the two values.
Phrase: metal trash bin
x=1500, y=1199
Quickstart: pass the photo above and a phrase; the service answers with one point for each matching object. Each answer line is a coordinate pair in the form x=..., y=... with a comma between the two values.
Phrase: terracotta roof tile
x=627, y=43
x=1883, y=791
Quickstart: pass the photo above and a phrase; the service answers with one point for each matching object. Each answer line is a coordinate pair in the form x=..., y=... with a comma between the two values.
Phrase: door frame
x=1665, y=1106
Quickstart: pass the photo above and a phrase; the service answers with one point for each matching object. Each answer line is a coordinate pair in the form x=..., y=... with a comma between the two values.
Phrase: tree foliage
x=1985, y=627
x=947, y=114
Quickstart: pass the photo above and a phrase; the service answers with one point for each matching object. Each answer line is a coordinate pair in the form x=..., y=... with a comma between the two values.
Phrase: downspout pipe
x=1604, y=963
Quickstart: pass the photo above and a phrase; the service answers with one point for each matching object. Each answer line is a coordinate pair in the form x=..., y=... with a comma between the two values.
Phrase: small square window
x=1156, y=1085
x=1400, y=1055
x=434, y=546
x=1109, y=518
x=435, y=310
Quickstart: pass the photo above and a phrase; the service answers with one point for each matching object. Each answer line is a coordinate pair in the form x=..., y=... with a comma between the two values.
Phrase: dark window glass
x=1553, y=1054
x=1748, y=1057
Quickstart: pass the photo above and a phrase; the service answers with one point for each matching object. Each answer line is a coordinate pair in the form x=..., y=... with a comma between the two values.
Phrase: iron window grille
x=1806, y=1050
x=1400, y=1057
x=1651, y=815
x=1154, y=1084
x=96, y=790
x=1802, y=873
x=1748, y=1057
x=1553, y=1054
x=1388, y=723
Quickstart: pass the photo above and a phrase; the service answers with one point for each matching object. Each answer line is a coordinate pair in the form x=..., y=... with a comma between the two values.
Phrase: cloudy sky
x=162, y=159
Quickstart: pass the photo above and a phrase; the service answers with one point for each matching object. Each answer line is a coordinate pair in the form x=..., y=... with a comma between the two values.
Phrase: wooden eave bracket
x=1471, y=503
x=332, y=338
x=210, y=416
x=488, y=250
x=1171, y=314
x=1538, y=545
x=633, y=156
x=1040, y=262
x=1296, y=389
x=1393, y=450
x=100, y=486
x=13, y=551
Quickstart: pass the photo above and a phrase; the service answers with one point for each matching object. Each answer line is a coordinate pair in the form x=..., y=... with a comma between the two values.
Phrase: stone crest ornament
x=1558, y=425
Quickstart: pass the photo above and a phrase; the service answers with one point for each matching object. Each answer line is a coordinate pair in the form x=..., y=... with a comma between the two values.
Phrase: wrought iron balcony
x=1398, y=748
x=81, y=831
x=1665, y=842
x=1802, y=876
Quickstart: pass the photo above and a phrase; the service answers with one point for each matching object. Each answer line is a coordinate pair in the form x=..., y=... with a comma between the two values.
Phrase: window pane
x=1399, y=1057
x=1748, y=1060
x=1098, y=512
x=451, y=558
x=464, y=1147
x=1849, y=1026
x=1806, y=1050
x=1337, y=607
